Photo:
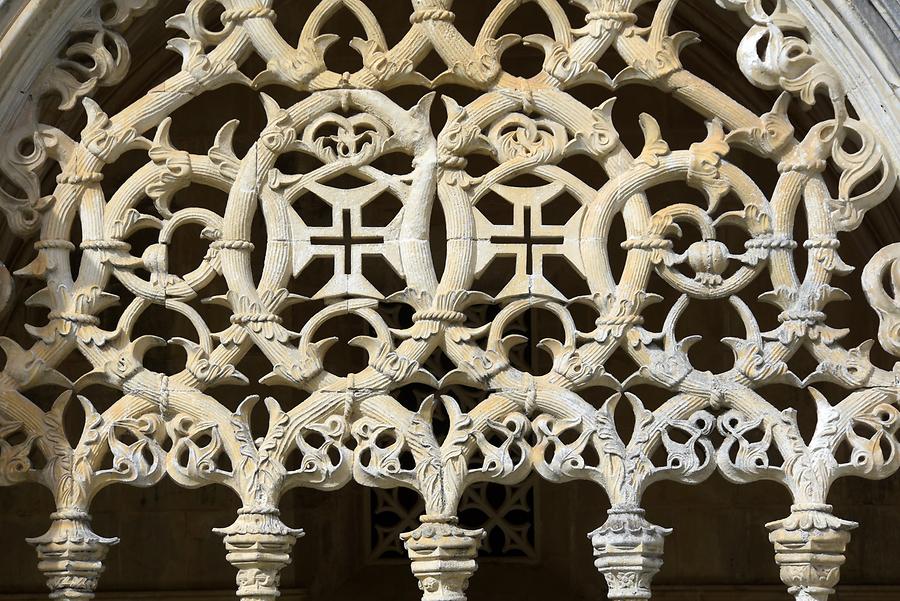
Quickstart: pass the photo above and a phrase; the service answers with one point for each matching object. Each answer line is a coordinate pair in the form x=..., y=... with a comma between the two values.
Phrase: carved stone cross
x=347, y=240
x=528, y=239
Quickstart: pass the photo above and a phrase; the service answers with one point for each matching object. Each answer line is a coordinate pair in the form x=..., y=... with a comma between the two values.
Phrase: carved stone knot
x=232, y=245
x=619, y=320
x=618, y=16
x=448, y=317
x=646, y=243
x=628, y=551
x=443, y=557
x=826, y=243
x=259, y=545
x=105, y=245
x=808, y=317
x=91, y=177
x=54, y=243
x=809, y=549
x=800, y=163
x=771, y=243
x=71, y=556
x=242, y=14
x=81, y=319
x=431, y=14
x=245, y=318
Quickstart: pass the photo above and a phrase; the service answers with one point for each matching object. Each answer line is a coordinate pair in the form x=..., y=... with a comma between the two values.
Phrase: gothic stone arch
x=56, y=58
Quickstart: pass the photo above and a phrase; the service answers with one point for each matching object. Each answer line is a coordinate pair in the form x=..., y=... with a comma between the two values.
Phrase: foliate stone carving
x=809, y=549
x=524, y=131
x=443, y=557
x=810, y=543
x=70, y=553
x=442, y=469
x=628, y=551
x=885, y=302
x=94, y=55
x=71, y=556
x=628, y=548
x=787, y=62
x=259, y=546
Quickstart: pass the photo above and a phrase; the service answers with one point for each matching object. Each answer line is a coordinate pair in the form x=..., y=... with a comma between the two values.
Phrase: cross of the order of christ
x=346, y=240
x=529, y=239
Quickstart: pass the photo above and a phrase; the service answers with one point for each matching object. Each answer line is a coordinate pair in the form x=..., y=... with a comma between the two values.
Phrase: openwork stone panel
x=332, y=146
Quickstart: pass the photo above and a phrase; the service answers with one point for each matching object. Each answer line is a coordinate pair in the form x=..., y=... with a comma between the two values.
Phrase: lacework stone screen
x=447, y=257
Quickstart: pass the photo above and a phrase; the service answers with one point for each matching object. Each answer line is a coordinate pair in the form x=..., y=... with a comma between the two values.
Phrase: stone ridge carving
x=353, y=427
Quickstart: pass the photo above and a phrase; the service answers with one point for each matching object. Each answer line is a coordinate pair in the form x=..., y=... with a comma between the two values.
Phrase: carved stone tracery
x=344, y=123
